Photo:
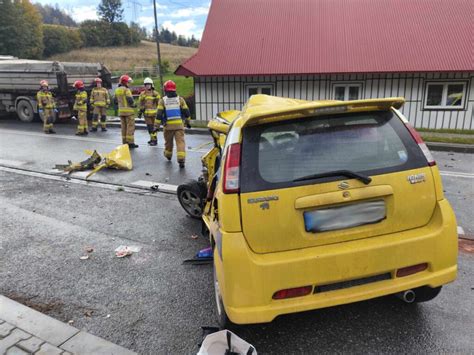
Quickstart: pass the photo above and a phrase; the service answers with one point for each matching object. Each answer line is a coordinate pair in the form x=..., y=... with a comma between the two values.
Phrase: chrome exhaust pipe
x=407, y=296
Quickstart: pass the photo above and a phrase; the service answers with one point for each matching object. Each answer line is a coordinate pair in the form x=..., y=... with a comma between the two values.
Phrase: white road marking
x=79, y=181
x=461, y=230
x=12, y=162
x=457, y=174
x=161, y=186
x=89, y=139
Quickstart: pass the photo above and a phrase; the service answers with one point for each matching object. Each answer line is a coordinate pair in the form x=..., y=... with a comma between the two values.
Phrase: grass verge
x=460, y=140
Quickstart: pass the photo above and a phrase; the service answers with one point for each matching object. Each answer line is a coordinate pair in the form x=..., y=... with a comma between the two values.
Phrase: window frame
x=259, y=87
x=346, y=86
x=444, y=94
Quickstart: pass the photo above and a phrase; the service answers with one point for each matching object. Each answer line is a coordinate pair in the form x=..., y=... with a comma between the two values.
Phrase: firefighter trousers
x=48, y=118
x=82, y=119
x=99, y=113
x=128, y=129
x=178, y=136
x=150, y=125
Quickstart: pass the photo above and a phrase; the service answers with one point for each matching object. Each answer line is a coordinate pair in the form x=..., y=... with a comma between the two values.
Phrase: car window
x=276, y=154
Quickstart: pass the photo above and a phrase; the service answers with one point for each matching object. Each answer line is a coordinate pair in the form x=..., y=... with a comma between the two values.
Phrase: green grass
x=454, y=131
x=461, y=140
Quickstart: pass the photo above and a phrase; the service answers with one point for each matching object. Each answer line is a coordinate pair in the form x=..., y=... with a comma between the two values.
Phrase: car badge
x=343, y=185
x=414, y=179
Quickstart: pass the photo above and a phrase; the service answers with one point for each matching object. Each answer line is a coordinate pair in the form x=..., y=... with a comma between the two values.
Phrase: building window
x=346, y=92
x=445, y=95
x=259, y=89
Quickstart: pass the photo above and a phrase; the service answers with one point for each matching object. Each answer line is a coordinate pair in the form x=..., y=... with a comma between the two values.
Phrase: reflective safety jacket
x=148, y=102
x=80, y=104
x=124, y=100
x=45, y=100
x=171, y=112
x=100, y=97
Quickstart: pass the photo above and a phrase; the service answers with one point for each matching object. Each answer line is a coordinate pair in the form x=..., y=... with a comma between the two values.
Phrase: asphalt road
x=150, y=302
x=157, y=305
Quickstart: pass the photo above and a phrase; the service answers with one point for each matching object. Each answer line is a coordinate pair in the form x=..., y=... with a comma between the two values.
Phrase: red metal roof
x=262, y=37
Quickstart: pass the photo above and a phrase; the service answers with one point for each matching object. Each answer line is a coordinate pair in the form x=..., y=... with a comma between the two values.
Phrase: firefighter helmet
x=44, y=83
x=170, y=85
x=148, y=81
x=98, y=80
x=125, y=80
x=79, y=84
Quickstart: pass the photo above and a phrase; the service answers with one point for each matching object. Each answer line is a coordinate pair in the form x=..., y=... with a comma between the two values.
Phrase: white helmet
x=148, y=81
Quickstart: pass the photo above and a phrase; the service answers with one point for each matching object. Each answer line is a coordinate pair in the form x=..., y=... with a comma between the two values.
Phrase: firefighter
x=100, y=100
x=172, y=111
x=80, y=105
x=124, y=99
x=148, y=102
x=46, y=107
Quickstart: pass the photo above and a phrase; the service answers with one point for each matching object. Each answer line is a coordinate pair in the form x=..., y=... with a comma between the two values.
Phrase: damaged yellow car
x=312, y=204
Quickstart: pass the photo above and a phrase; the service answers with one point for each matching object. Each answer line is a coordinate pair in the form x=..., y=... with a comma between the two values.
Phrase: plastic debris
x=89, y=249
x=70, y=322
x=204, y=253
x=194, y=236
x=119, y=158
x=124, y=250
x=203, y=257
x=84, y=257
x=88, y=313
x=225, y=342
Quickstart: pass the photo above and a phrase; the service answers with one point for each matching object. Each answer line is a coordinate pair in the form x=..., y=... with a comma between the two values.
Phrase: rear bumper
x=249, y=280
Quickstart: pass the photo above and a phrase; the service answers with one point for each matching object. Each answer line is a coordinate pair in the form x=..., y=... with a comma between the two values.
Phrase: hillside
x=126, y=58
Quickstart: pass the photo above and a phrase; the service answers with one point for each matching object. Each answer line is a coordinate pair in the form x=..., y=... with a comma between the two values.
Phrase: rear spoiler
x=315, y=108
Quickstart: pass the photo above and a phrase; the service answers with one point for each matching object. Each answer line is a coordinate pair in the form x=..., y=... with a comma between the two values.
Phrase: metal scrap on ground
x=119, y=158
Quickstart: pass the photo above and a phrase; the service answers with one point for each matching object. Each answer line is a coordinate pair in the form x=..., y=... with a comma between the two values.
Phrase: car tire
x=24, y=111
x=425, y=293
x=192, y=197
x=222, y=318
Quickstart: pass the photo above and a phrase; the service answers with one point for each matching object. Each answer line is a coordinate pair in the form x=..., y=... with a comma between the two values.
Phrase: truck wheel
x=222, y=319
x=24, y=110
x=191, y=196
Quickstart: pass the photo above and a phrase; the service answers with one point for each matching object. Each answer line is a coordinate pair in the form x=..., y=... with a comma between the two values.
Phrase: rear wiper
x=352, y=174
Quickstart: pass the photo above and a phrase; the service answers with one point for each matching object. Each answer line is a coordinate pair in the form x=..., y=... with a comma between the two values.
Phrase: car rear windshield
x=372, y=143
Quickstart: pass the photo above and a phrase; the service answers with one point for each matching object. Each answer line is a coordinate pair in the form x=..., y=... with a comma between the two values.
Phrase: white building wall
x=215, y=94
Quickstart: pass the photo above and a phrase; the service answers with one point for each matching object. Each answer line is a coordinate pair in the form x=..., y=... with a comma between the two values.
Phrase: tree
x=21, y=33
x=55, y=16
x=110, y=10
x=60, y=39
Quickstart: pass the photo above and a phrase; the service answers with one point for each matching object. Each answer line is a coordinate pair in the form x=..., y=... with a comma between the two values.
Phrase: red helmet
x=98, y=80
x=125, y=80
x=170, y=85
x=78, y=84
x=44, y=83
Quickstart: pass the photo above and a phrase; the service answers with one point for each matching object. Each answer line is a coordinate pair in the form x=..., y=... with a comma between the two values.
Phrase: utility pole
x=158, y=47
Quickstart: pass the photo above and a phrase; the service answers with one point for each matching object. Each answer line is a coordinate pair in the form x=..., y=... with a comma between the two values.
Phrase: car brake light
x=410, y=270
x=416, y=136
x=232, y=169
x=292, y=292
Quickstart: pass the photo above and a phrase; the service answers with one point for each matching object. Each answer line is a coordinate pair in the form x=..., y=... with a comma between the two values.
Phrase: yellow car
x=321, y=203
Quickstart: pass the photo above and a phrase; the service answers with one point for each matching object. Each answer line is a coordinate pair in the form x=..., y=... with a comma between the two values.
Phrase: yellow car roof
x=264, y=108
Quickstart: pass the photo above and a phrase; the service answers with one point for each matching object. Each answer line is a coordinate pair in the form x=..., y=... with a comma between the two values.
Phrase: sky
x=185, y=17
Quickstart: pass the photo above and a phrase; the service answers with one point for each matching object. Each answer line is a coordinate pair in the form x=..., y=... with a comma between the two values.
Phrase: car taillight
x=292, y=292
x=232, y=169
x=416, y=136
x=410, y=270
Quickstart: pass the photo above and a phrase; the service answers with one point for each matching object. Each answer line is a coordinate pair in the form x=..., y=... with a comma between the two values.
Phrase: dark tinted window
x=372, y=143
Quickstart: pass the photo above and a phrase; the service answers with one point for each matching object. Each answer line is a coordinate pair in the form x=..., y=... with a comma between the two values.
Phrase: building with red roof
x=422, y=50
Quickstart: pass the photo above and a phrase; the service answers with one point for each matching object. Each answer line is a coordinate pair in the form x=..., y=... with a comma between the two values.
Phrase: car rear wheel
x=425, y=293
x=222, y=319
x=191, y=196
x=25, y=112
